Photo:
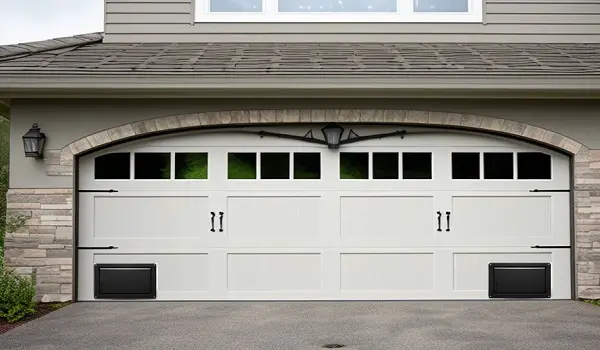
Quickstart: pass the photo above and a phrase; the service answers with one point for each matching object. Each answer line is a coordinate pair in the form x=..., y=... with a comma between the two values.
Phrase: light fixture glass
x=333, y=134
x=33, y=142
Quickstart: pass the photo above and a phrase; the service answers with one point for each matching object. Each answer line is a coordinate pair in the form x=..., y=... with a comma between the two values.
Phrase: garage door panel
x=178, y=276
x=406, y=219
x=150, y=217
x=501, y=217
x=471, y=269
x=387, y=272
x=273, y=216
x=271, y=272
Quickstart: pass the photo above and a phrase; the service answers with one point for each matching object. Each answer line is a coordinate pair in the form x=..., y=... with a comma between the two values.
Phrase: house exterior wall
x=45, y=244
x=550, y=21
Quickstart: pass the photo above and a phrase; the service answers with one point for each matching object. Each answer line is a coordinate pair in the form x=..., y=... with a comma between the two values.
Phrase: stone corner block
x=52, y=157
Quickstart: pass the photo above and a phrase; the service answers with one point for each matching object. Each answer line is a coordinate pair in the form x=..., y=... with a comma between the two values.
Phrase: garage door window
x=241, y=166
x=534, y=166
x=465, y=166
x=307, y=166
x=152, y=166
x=191, y=166
x=416, y=166
x=354, y=166
x=274, y=166
x=112, y=166
x=498, y=166
x=385, y=165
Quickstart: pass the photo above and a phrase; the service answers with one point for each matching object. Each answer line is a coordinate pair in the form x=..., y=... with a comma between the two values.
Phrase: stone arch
x=64, y=158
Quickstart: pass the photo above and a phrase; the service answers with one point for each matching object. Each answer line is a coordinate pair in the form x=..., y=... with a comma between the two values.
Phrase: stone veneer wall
x=44, y=245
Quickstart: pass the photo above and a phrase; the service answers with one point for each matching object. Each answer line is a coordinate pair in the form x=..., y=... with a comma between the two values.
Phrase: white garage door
x=232, y=216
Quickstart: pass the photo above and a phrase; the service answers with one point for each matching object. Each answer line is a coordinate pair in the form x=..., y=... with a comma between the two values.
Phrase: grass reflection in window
x=191, y=166
x=354, y=165
x=241, y=166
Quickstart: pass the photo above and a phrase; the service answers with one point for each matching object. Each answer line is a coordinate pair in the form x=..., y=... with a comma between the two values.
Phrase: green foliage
x=14, y=222
x=4, y=156
x=57, y=306
x=593, y=302
x=241, y=167
x=193, y=166
x=17, y=295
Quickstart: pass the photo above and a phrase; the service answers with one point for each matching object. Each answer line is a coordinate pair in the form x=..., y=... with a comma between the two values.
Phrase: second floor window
x=339, y=11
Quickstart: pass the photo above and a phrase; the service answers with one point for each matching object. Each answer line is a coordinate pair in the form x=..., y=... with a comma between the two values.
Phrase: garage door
x=233, y=216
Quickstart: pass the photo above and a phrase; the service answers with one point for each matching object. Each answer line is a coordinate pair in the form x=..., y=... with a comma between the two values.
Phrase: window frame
x=405, y=14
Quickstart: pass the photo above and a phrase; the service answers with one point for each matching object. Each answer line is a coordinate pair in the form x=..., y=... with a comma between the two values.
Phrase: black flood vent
x=125, y=281
x=519, y=280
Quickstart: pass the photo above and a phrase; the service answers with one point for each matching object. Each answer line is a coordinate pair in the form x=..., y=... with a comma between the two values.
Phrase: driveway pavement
x=310, y=325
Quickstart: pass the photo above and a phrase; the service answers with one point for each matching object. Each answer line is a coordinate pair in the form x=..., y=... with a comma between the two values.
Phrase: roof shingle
x=86, y=55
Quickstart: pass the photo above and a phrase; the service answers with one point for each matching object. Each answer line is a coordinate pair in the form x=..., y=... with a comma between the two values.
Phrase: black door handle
x=221, y=221
x=447, y=221
x=439, y=221
x=212, y=221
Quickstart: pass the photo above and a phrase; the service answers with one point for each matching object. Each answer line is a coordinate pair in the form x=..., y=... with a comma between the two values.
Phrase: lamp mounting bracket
x=351, y=138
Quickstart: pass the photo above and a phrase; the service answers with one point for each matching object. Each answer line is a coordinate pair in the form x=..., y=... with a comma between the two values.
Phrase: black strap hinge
x=100, y=191
x=536, y=190
x=98, y=248
x=551, y=246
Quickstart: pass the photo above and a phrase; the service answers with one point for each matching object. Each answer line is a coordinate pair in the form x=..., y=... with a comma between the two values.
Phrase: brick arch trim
x=63, y=159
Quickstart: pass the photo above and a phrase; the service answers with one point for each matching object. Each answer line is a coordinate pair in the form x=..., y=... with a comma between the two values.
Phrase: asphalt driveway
x=310, y=325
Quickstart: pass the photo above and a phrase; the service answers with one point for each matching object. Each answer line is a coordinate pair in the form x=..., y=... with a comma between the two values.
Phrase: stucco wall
x=65, y=121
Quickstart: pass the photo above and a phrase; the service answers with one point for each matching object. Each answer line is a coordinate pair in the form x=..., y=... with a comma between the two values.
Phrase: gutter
x=215, y=86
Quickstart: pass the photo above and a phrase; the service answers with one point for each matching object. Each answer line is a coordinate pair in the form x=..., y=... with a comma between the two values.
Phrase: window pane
x=337, y=5
x=152, y=166
x=307, y=165
x=191, y=165
x=533, y=166
x=465, y=166
x=113, y=166
x=354, y=165
x=274, y=165
x=498, y=166
x=241, y=166
x=441, y=5
x=385, y=165
x=416, y=166
x=235, y=5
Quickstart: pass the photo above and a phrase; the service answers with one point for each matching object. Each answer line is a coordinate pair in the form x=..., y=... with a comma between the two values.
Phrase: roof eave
x=421, y=86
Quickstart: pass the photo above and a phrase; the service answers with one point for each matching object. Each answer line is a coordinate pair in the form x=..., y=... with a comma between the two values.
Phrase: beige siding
x=65, y=121
x=505, y=21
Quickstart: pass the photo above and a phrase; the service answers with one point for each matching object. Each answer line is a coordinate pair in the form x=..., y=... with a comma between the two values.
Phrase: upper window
x=339, y=11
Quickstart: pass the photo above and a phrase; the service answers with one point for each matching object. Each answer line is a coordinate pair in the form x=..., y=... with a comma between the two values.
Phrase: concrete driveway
x=310, y=325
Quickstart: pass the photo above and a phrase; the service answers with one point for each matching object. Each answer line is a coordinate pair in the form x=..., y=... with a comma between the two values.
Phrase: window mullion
x=270, y=7
x=405, y=8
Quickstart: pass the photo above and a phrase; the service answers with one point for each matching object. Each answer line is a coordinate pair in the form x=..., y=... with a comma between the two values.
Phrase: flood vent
x=519, y=280
x=125, y=281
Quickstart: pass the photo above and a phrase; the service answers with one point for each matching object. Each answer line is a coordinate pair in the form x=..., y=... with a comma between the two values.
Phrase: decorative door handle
x=439, y=221
x=447, y=221
x=212, y=221
x=221, y=221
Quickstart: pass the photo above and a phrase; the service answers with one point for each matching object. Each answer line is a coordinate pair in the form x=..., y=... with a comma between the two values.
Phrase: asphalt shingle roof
x=87, y=55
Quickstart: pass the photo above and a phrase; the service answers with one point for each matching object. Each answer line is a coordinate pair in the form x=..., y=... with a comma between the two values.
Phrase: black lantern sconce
x=333, y=133
x=33, y=142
